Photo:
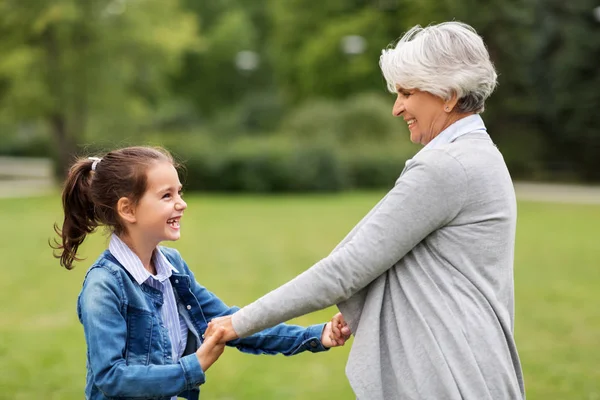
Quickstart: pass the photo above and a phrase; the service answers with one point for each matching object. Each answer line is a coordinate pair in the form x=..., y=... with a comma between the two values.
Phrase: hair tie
x=95, y=163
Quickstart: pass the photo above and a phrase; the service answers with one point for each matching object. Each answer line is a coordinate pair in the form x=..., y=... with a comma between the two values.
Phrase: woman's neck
x=456, y=116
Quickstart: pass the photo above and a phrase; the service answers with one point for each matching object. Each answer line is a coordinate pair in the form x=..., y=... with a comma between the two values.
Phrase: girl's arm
x=105, y=328
x=281, y=339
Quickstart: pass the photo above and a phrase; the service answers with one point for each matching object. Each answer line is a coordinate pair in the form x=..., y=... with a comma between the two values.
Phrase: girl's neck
x=144, y=253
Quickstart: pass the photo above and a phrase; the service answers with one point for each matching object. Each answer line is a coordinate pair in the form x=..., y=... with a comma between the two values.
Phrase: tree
x=307, y=52
x=82, y=65
x=567, y=81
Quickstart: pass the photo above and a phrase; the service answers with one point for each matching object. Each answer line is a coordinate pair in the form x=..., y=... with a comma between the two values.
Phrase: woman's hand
x=336, y=332
x=213, y=346
x=227, y=326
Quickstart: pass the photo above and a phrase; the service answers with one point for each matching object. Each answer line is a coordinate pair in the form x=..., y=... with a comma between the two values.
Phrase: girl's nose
x=181, y=205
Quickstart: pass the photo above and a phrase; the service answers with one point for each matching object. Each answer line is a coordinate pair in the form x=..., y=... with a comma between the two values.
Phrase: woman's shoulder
x=440, y=161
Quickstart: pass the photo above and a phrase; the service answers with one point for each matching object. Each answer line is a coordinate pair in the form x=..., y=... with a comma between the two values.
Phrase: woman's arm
x=428, y=195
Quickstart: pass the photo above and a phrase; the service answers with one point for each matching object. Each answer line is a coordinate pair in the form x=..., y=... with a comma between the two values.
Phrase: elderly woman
x=425, y=280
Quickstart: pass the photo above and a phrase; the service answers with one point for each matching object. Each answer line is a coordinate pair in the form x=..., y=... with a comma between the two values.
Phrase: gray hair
x=444, y=59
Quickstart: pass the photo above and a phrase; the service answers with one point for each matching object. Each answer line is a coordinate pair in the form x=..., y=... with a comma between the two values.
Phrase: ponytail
x=80, y=215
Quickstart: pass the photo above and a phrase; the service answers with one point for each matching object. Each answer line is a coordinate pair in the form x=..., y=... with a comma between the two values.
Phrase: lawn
x=242, y=247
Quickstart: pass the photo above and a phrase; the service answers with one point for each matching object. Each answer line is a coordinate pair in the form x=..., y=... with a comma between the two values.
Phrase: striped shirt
x=173, y=322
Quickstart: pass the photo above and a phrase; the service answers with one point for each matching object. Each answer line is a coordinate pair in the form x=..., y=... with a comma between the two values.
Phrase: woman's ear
x=126, y=210
x=451, y=103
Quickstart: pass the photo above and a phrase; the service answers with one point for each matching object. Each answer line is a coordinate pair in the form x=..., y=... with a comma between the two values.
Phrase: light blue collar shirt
x=174, y=323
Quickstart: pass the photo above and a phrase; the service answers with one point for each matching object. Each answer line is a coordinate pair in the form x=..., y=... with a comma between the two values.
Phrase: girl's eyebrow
x=169, y=188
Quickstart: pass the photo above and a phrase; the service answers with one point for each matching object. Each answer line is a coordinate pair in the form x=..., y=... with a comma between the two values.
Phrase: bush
x=362, y=118
x=373, y=168
x=35, y=145
x=275, y=164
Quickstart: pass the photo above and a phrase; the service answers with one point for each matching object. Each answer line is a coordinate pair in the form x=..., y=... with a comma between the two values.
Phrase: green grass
x=242, y=247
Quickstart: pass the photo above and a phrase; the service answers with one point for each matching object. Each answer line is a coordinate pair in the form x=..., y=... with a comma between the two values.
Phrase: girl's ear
x=126, y=210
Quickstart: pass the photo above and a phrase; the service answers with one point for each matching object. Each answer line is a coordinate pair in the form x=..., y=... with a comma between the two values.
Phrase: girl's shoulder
x=174, y=258
x=105, y=267
x=170, y=253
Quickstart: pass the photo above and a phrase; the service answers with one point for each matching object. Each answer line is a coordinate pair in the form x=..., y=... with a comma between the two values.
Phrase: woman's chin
x=415, y=138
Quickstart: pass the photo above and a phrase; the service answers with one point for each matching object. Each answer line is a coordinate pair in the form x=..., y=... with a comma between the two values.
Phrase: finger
x=215, y=337
x=340, y=318
x=336, y=330
x=346, y=331
x=210, y=329
x=221, y=320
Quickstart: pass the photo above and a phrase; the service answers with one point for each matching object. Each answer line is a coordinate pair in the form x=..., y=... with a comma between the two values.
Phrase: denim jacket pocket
x=139, y=336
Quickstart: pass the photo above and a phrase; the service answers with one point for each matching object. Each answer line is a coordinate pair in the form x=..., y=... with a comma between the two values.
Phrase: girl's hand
x=336, y=332
x=212, y=348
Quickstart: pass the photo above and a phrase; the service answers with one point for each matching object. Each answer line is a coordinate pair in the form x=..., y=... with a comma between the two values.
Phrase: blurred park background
x=263, y=97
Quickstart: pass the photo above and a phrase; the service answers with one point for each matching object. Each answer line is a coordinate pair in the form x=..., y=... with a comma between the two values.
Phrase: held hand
x=212, y=348
x=227, y=326
x=336, y=332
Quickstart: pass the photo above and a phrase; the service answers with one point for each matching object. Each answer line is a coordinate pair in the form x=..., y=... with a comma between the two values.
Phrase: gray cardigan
x=425, y=282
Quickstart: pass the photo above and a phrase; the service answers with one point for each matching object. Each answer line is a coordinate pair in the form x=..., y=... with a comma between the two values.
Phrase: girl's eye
x=180, y=193
x=166, y=195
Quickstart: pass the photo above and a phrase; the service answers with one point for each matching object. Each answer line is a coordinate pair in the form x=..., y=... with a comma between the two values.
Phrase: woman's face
x=424, y=113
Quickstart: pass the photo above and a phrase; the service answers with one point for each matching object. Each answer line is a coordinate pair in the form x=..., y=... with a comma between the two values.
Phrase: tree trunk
x=66, y=146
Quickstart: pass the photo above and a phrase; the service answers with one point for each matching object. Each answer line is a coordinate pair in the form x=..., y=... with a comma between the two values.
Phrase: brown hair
x=90, y=195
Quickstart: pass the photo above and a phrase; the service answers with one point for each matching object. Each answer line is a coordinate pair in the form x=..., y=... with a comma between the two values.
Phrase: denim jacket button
x=176, y=280
x=313, y=344
x=188, y=307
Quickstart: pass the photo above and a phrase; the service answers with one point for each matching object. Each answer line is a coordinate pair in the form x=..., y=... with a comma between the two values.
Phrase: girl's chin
x=171, y=237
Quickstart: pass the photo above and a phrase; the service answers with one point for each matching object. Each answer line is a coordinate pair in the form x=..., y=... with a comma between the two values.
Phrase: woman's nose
x=398, y=108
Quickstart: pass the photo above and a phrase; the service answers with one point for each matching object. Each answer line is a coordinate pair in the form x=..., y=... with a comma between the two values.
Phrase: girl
x=146, y=320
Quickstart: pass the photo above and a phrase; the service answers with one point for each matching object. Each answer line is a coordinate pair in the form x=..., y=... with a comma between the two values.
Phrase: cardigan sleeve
x=428, y=195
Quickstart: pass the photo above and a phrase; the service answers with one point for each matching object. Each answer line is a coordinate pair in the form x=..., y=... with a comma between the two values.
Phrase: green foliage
x=85, y=67
x=210, y=77
x=265, y=165
x=566, y=80
x=315, y=64
x=363, y=118
x=113, y=71
x=323, y=146
x=278, y=163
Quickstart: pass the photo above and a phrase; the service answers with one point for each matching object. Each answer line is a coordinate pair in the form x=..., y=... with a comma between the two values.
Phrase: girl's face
x=423, y=112
x=159, y=211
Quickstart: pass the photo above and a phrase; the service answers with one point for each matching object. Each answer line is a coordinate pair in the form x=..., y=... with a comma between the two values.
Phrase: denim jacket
x=128, y=347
